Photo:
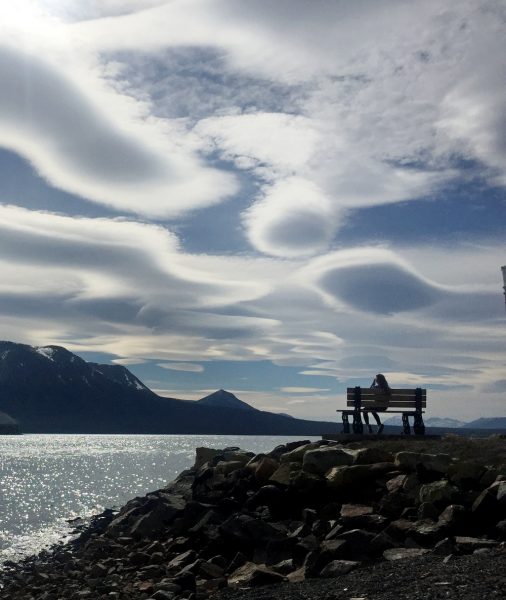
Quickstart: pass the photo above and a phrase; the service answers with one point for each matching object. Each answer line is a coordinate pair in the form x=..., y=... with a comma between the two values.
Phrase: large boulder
x=466, y=474
x=224, y=467
x=343, y=479
x=487, y=508
x=411, y=461
x=373, y=454
x=358, y=543
x=285, y=472
x=163, y=513
x=264, y=468
x=439, y=493
x=320, y=460
x=297, y=454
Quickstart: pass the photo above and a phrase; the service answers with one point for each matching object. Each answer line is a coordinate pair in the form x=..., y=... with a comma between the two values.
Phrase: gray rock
x=467, y=545
x=183, y=559
x=265, y=468
x=486, y=508
x=225, y=467
x=161, y=515
x=466, y=474
x=319, y=461
x=283, y=567
x=453, y=515
x=350, y=511
x=251, y=575
x=426, y=510
x=297, y=454
x=402, y=553
x=358, y=543
x=336, y=568
x=284, y=473
x=368, y=456
x=348, y=478
x=440, y=493
x=410, y=461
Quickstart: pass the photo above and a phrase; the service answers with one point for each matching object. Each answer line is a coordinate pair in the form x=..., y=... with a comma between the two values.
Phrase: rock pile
x=304, y=510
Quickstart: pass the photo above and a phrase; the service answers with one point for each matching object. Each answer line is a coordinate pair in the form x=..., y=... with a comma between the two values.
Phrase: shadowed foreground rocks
x=310, y=519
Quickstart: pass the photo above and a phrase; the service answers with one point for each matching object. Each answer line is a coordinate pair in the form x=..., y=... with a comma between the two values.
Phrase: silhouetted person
x=380, y=384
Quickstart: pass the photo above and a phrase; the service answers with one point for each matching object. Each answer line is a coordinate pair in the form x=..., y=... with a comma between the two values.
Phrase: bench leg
x=418, y=424
x=357, y=423
x=346, y=423
x=405, y=424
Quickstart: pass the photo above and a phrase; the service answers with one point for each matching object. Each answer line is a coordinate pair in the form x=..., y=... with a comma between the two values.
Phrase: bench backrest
x=398, y=398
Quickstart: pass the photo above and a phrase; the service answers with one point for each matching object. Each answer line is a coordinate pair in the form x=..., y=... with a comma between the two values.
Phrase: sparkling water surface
x=46, y=479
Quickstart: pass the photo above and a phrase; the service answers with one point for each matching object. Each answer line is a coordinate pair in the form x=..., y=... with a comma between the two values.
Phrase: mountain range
x=48, y=389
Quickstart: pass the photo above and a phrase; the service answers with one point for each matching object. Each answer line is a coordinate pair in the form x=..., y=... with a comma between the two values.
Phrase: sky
x=276, y=198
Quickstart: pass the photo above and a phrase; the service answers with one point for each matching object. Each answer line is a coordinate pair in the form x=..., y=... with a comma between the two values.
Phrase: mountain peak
x=225, y=399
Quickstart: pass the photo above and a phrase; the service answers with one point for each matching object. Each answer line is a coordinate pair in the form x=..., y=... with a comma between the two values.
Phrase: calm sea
x=47, y=479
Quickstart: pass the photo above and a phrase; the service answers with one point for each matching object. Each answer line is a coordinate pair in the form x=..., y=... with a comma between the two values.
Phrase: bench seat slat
x=362, y=410
x=392, y=403
x=394, y=394
x=365, y=390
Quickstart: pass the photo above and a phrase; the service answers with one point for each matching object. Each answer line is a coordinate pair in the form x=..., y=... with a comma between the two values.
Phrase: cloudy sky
x=277, y=198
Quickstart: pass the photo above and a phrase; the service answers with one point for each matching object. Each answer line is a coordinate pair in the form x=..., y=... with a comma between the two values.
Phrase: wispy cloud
x=183, y=366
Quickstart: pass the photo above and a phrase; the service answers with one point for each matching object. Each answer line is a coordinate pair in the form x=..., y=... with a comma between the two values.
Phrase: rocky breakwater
x=303, y=511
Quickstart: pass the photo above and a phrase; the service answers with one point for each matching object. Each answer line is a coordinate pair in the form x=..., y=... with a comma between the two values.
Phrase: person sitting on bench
x=380, y=385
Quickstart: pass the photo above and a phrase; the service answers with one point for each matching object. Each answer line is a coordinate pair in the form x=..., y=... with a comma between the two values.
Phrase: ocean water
x=45, y=480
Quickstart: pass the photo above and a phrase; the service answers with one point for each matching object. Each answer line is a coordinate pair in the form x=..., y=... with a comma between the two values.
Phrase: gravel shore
x=476, y=577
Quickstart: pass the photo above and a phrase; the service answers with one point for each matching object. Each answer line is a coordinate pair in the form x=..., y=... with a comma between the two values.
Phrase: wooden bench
x=361, y=400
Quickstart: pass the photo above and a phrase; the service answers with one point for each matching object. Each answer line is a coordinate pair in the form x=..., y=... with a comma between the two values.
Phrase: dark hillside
x=51, y=390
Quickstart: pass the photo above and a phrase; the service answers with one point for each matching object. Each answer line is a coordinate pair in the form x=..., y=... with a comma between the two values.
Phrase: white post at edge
x=503, y=269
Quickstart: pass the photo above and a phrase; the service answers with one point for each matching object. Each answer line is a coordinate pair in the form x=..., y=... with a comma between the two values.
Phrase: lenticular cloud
x=78, y=147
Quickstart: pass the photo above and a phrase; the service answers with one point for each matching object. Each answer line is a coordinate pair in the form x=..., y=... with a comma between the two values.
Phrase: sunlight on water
x=47, y=479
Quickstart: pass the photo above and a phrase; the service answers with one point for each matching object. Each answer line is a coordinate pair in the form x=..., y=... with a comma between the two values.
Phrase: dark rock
x=320, y=528
x=320, y=460
x=139, y=558
x=358, y=543
x=264, y=469
x=238, y=561
x=467, y=545
x=334, y=532
x=279, y=550
x=163, y=595
x=445, y=547
x=426, y=510
x=336, y=568
x=381, y=542
x=181, y=560
x=392, y=504
x=466, y=474
x=309, y=516
x=486, y=507
x=403, y=553
x=368, y=456
x=453, y=516
x=251, y=575
x=284, y=567
x=439, y=493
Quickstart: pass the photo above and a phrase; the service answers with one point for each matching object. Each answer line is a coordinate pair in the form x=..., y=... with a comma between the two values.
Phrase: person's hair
x=382, y=381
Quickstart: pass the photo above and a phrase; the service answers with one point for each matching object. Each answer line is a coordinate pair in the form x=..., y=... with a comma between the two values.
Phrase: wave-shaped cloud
x=292, y=219
x=77, y=146
x=372, y=279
